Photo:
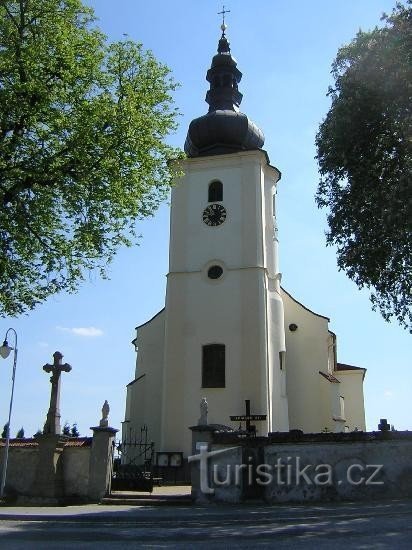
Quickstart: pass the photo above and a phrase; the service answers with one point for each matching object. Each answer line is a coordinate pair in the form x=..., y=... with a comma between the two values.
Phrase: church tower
x=224, y=323
x=228, y=331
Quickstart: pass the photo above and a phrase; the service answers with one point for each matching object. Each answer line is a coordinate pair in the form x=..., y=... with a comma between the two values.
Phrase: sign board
x=244, y=417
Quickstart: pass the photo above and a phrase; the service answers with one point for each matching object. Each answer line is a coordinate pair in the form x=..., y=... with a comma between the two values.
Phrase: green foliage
x=364, y=150
x=39, y=432
x=66, y=429
x=70, y=431
x=74, y=432
x=82, y=152
x=5, y=430
x=20, y=433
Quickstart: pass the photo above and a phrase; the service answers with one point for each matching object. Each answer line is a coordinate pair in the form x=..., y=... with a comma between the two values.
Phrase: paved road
x=376, y=526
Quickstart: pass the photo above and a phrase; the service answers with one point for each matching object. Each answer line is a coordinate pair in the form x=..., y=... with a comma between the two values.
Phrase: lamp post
x=5, y=350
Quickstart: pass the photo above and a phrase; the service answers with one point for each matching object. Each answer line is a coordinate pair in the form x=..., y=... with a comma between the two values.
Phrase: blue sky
x=284, y=50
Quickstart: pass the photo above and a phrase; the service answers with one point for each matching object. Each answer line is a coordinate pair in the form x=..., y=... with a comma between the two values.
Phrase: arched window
x=213, y=366
x=215, y=191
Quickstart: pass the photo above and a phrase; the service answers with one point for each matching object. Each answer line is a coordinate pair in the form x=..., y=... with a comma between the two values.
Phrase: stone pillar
x=202, y=435
x=101, y=458
x=49, y=482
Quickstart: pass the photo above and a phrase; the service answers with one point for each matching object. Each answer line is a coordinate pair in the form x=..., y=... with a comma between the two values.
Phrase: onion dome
x=224, y=129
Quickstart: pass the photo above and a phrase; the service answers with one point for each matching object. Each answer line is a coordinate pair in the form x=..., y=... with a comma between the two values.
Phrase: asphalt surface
x=375, y=525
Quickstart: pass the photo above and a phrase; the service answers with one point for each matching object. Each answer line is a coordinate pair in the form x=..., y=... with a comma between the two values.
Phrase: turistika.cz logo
x=289, y=471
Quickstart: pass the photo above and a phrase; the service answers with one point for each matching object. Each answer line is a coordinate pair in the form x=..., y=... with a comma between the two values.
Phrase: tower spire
x=224, y=129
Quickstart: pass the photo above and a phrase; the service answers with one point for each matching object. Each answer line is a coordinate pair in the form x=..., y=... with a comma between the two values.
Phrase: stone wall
x=339, y=471
x=23, y=464
x=21, y=468
x=76, y=471
x=301, y=467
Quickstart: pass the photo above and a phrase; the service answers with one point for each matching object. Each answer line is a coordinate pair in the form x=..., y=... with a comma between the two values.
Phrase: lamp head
x=5, y=349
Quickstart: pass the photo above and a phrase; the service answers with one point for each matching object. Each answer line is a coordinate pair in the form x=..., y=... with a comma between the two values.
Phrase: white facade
x=228, y=332
x=276, y=368
x=241, y=310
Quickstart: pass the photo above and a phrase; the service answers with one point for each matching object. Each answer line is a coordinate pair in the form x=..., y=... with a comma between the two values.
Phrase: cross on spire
x=223, y=13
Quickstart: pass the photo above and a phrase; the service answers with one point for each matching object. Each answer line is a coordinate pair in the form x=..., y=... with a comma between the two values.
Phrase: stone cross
x=52, y=425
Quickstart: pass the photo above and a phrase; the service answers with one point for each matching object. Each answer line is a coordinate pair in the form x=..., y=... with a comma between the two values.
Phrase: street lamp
x=5, y=350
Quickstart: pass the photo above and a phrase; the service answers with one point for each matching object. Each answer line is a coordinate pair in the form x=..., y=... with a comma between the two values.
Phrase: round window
x=215, y=272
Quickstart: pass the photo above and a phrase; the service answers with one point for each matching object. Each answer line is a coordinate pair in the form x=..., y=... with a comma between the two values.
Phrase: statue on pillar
x=203, y=412
x=105, y=413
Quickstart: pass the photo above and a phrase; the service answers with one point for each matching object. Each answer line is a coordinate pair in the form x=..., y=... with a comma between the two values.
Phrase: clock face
x=214, y=214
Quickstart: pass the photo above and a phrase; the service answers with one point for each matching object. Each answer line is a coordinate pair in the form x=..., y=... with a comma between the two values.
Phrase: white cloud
x=89, y=332
x=43, y=344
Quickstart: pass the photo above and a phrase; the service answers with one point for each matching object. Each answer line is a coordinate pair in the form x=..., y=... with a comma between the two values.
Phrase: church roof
x=304, y=307
x=344, y=367
x=149, y=321
x=329, y=377
x=224, y=129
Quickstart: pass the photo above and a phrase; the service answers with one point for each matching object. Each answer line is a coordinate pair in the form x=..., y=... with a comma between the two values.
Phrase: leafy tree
x=364, y=150
x=82, y=152
x=5, y=430
x=20, y=433
x=74, y=432
x=39, y=432
x=66, y=429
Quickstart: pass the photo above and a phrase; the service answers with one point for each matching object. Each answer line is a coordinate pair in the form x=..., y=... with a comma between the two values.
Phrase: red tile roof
x=32, y=442
x=79, y=442
x=20, y=443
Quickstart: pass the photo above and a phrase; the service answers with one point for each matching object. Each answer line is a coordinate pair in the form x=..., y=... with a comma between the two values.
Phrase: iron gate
x=133, y=465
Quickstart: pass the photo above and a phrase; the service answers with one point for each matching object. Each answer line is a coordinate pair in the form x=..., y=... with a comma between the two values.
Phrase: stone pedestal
x=201, y=435
x=101, y=457
x=49, y=483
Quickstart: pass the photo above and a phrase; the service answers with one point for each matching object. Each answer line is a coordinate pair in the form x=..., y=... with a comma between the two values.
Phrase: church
x=229, y=332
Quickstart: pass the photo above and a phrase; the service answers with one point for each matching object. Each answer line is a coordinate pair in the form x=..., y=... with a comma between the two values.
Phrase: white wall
x=245, y=310
x=314, y=402
x=235, y=310
x=306, y=355
x=351, y=383
x=144, y=393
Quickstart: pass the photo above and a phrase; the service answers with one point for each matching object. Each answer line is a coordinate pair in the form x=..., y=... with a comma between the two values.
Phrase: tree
x=5, y=431
x=20, y=433
x=74, y=432
x=364, y=150
x=82, y=151
x=66, y=429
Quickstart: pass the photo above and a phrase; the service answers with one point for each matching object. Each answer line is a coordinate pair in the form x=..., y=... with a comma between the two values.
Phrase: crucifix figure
x=52, y=425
